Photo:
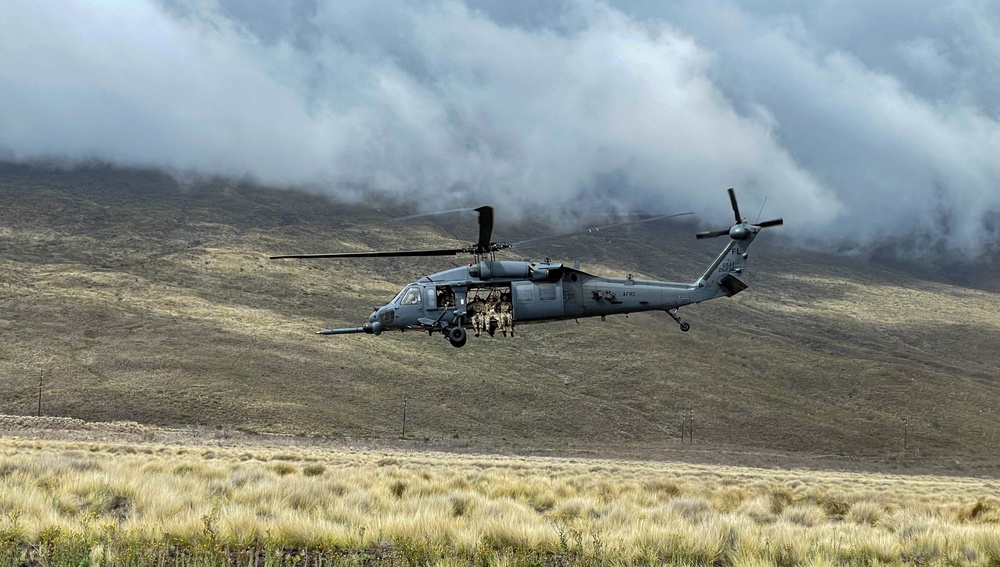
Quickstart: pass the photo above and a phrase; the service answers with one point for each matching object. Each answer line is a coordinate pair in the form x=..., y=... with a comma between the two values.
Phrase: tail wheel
x=685, y=327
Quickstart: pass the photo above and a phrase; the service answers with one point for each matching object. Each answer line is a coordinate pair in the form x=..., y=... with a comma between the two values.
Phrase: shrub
x=313, y=470
x=284, y=469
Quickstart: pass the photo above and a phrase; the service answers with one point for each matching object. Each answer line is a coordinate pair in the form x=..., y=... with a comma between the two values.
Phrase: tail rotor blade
x=775, y=222
x=736, y=208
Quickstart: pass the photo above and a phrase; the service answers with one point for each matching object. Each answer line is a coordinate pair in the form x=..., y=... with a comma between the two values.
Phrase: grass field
x=97, y=503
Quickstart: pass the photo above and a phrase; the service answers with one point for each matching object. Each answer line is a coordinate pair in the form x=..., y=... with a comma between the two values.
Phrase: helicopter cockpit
x=409, y=296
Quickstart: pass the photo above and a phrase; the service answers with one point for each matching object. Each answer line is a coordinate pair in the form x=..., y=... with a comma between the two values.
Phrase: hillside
x=132, y=297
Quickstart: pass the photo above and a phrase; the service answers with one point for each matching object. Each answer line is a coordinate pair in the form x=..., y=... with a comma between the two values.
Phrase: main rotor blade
x=736, y=208
x=402, y=253
x=775, y=222
x=436, y=213
x=594, y=230
x=711, y=234
x=485, y=227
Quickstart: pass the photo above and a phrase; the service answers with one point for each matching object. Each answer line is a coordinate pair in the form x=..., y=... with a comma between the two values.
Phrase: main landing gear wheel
x=457, y=336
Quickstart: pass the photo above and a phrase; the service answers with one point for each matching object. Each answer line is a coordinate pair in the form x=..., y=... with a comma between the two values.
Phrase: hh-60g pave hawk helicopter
x=449, y=302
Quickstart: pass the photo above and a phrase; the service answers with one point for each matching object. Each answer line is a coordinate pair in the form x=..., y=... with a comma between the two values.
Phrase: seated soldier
x=476, y=311
x=506, y=309
x=491, y=321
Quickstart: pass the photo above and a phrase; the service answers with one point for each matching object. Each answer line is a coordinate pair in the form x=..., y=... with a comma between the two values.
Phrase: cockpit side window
x=411, y=296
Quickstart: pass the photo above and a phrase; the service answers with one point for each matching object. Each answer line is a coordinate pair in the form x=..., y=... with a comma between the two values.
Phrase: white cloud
x=569, y=105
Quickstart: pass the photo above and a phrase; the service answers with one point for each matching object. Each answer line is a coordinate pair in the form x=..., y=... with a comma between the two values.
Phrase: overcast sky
x=857, y=120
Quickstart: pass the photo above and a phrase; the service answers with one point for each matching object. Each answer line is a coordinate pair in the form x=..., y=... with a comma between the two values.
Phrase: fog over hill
x=869, y=127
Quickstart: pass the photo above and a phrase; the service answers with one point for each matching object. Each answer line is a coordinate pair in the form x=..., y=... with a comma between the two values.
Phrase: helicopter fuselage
x=508, y=291
x=537, y=291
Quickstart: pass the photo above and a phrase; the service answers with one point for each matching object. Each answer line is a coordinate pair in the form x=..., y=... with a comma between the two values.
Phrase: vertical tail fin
x=725, y=271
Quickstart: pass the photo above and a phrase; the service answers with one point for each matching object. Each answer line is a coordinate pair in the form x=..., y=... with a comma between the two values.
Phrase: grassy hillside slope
x=131, y=297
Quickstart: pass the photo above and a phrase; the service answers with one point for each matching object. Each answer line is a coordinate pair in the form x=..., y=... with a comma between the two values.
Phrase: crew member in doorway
x=445, y=297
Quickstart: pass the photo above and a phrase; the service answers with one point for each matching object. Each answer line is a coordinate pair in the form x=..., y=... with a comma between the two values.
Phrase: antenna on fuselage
x=761, y=210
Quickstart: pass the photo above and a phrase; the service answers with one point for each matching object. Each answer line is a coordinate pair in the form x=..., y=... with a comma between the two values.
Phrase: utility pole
x=404, y=418
x=684, y=420
x=905, y=431
x=687, y=424
x=691, y=425
x=41, y=374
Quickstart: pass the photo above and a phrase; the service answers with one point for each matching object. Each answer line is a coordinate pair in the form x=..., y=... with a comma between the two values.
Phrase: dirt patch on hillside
x=128, y=432
x=46, y=423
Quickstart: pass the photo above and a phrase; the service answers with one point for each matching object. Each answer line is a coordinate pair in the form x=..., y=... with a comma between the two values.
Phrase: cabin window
x=411, y=296
x=524, y=292
x=546, y=292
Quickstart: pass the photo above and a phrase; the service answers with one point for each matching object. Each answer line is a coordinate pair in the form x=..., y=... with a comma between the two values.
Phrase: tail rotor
x=742, y=229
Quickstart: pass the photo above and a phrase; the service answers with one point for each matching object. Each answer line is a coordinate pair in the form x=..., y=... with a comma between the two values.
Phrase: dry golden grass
x=114, y=503
x=889, y=304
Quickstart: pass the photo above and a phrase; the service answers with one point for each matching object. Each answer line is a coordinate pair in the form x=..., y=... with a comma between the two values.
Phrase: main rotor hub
x=489, y=249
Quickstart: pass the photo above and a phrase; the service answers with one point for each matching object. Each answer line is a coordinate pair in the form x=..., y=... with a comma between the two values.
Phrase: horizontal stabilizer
x=732, y=284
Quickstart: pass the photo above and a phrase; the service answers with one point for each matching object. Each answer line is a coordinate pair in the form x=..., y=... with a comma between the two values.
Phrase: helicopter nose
x=372, y=328
x=374, y=316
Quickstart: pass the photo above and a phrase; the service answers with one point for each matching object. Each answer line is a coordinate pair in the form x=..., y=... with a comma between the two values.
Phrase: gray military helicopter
x=535, y=292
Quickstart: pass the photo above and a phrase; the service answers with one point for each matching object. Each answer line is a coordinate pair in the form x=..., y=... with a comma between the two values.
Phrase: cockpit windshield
x=399, y=296
x=409, y=296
